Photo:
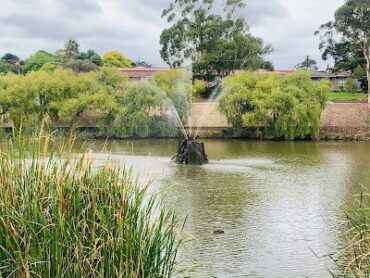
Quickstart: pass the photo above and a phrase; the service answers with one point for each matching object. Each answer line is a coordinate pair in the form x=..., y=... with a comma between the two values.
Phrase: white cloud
x=134, y=26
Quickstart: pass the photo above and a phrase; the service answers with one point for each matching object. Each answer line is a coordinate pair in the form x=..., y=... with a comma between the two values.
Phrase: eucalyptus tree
x=213, y=35
x=307, y=64
x=352, y=26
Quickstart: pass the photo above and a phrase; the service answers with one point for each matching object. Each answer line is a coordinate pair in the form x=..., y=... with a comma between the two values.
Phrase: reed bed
x=353, y=258
x=61, y=216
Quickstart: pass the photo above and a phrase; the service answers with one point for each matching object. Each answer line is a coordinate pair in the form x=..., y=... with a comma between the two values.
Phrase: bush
x=60, y=216
x=351, y=85
x=283, y=106
x=105, y=99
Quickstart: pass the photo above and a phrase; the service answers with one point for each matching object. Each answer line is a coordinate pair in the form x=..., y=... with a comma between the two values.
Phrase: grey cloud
x=258, y=10
x=134, y=26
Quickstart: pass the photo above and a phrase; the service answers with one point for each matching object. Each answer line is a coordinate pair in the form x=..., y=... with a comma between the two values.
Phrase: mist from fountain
x=215, y=94
x=173, y=114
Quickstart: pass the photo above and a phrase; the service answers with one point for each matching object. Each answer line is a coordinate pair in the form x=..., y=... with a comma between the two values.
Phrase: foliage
x=351, y=85
x=118, y=107
x=110, y=77
x=199, y=86
x=6, y=67
x=137, y=102
x=81, y=66
x=36, y=61
x=217, y=43
x=141, y=63
x=284, y=106
x=49, y=67
x=307, y=64
x=61, y=216
x=176, y=84
x=351, y=25
x=10, y=58
x=353, y=258
x=91, y=56
x=268, y=65
x=71, y=49
x=116, y=59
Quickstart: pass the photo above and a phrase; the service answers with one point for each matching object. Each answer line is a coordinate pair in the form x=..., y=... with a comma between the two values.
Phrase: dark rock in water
x=190, y=152
x=218, y=232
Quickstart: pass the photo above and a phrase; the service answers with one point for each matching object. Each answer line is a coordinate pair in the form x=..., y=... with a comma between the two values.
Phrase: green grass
x=347, y=96
x=62, y=216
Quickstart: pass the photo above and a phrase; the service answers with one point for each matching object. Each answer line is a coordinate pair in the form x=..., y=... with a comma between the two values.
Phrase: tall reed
x=62, y=216
x=353, y=258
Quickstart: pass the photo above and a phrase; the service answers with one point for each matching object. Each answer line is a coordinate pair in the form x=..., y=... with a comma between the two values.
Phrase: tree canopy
x=283, y=106
x=120, y=108
x=352, y=27
x=218, y=43
x=36, y=61
x=116, y=59
x=307, y=64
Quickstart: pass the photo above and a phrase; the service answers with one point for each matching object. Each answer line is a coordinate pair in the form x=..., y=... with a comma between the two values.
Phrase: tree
x=268, y=65
x=116, y=59
x=307, y=64
x=36, y=61
x=92, y=56
x=177, y=87
x=141, y=63
x=71, y=49
x=82, y=66
x=352, y=26
x=217, y=43
x=6, y=67
x=283, y=106
x=14, y=61
x=10, y=58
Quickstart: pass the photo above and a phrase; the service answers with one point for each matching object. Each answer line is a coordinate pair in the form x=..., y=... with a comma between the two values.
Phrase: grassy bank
x=61, y=216
x=353, y=258
x=347, y=96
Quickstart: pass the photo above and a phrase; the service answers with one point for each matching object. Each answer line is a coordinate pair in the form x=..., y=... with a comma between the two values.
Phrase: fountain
x=190, y=152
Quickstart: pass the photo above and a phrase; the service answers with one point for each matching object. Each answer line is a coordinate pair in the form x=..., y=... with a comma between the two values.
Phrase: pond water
x=278, y=203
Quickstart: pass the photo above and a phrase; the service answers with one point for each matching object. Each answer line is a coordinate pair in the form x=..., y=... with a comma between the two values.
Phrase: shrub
x=284, y=106
x=61, y=216
x=351, y=85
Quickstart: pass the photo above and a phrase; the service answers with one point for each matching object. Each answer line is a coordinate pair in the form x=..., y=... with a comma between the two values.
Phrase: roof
x=141, y=72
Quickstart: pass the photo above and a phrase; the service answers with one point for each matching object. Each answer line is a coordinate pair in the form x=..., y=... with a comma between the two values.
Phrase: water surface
x=279, y=203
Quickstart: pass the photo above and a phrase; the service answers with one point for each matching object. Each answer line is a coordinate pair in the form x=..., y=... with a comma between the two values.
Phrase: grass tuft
x=61, y=216
x=353, y=258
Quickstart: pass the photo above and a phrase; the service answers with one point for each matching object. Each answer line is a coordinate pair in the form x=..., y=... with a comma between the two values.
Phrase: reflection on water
x=278, y=202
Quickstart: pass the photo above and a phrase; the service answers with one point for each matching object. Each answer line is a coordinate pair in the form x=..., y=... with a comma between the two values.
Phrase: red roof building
x=138, y=73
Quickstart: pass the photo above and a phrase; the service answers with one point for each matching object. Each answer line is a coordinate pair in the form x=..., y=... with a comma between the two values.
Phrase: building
x=338, y=80
x=138, y=73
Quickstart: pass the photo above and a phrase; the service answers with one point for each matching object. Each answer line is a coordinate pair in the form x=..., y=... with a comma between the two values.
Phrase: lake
x=278, y=203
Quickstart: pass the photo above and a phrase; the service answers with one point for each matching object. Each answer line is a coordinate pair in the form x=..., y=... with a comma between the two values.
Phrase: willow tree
x=287, y=107
x=213, y=34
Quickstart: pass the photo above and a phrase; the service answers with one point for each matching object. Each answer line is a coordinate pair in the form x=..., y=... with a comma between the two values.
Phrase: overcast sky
x=133, y=26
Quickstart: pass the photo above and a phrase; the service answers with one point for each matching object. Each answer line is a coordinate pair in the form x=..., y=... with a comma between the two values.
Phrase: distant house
x=138, y=73
x=338, y=80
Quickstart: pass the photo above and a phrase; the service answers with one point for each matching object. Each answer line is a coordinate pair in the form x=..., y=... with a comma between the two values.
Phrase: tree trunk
x=367, y=57
x=368, y=84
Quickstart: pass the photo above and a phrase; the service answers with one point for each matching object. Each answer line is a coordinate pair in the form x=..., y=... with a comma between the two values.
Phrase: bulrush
x=61, y=216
